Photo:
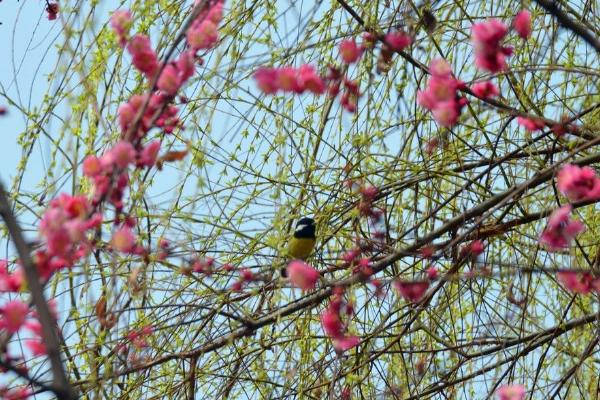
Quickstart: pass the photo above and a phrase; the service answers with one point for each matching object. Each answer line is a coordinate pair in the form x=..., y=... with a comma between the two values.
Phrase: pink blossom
x=126, y=114
x=432, y=273
x=287, y=80
x=266, y=79
x=169, y=80
x=202, y=35
x=531, y=124
x=351, y=255
x=398, y=41
x=246, y=275
x=476, y=247
x=64, y=224
x=350, y=51
x=302, y=275
x=511, y=392
x=20, y=393
x=485, y=90
x=440, y=68
x=34, y=326
x=332, y=324
x=577, y=282
x=369, y=192
x=215, y=13
x=121, y=22
x=308, y=79
x=578, y=183
x=185, y=65
x=10, y=282
x=522, y=23
x=123, y=240
x=344, y=343
x=91, y=166
x=52, y=10
x=561, y=229
x=148, y=155
x=490, y=54
x=144, y=57
x=412, y=291
x=36, y=346
x=13, y=315
x=446, y=113
x=122, y=154
x=441, y=94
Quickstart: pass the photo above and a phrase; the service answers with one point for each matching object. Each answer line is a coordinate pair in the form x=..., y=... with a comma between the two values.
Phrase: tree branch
x=61, y=386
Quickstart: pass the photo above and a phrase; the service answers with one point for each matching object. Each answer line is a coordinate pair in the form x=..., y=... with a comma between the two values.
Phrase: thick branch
x=61, y=385
x=566, y=21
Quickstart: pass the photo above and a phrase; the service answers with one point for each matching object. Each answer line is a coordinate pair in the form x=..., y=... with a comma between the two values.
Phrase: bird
x=302, y=242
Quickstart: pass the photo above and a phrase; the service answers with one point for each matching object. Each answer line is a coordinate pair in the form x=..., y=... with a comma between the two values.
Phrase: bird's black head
x=305, y=228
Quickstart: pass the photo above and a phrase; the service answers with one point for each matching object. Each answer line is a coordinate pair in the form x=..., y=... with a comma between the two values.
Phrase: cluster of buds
x=394, y=42
x=338, y=83
x=246, y=276
x=52, y=10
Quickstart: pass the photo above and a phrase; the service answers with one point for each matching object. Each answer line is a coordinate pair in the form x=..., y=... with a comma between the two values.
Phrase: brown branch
x=61, y=386
x=566, y=21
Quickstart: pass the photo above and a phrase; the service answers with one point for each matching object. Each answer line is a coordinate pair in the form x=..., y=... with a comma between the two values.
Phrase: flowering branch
x=61, y=386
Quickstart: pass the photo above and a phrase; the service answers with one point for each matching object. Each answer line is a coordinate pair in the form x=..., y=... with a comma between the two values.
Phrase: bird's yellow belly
x=300, y=248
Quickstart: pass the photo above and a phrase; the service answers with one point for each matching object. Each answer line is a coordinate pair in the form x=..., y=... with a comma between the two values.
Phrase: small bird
x=302, y=242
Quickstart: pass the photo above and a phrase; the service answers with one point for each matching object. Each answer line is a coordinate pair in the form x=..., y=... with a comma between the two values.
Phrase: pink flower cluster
x=15, y=315
x=204, y=266
x=167, y=120
x=19, y=393
x=11, y=282
x=203, y=33
x=522, y=24
x=350, y=93
x=578, y=183
x=511, y=392
x=121, y=22
x=579, y=282
x=63, y=228
x=441, y=95
x=412, y=291
x=561, y=229
x=350, y=51
x=289, y=79
x=473, y=249
x=487, y=37
x=302, y=275
x=366, y=205
x=397, y=40
x=485, y=90
x=143, y=55
x=246, y=276
x=531, y=124
x=332, y=322
x=52, y=10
